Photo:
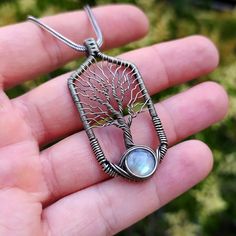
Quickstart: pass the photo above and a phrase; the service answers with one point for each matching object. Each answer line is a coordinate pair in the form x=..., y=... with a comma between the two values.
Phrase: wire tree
x=110, y=94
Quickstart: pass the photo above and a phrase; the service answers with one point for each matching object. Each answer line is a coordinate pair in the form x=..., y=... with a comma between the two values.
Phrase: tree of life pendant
x=110, y=91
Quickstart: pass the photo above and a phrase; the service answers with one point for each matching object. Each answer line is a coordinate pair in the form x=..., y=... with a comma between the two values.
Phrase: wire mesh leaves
x=109, y=93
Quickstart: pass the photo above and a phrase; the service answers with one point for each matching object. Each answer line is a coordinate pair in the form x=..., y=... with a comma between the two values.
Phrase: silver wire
x=67, y=41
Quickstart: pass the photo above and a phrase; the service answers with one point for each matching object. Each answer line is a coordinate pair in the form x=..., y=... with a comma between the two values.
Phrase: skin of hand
x=61, y=190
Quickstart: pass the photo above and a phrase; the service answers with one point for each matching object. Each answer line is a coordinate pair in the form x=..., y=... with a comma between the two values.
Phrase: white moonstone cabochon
x=141, y=162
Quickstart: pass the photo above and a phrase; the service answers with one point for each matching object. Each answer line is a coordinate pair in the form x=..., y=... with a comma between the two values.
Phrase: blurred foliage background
x=210, y=207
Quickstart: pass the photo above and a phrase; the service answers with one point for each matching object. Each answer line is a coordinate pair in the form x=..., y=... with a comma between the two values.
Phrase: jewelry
x=110, y=91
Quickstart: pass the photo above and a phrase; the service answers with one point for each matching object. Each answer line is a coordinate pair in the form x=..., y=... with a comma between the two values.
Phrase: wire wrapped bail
x=92, y=48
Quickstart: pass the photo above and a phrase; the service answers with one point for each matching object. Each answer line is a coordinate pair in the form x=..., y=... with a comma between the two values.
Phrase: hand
x=61, y=190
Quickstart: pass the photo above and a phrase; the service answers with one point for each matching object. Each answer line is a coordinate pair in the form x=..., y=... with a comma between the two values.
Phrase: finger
x=20, y=212
x=27, y=51
x=161, y=66
x=70, y=165
x=12, y=128
x=113, y=205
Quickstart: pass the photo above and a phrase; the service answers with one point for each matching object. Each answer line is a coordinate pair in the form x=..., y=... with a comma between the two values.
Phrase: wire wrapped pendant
x=110, y=91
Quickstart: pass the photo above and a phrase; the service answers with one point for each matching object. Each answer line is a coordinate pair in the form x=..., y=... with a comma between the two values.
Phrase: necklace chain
x=68, y=42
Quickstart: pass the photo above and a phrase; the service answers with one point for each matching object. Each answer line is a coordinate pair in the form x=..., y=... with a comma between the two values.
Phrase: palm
x=61, y=190
x=21, y=175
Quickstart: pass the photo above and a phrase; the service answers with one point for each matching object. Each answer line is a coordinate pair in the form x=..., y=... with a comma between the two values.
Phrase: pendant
x=110, y=91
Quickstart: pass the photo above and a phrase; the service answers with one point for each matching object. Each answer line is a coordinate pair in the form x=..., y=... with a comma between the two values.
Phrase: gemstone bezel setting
x=124, y=162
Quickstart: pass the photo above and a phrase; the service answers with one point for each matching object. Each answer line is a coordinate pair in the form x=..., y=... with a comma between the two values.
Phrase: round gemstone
x=141, y=162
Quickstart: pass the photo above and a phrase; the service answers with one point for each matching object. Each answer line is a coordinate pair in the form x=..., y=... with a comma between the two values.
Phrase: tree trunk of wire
x=121, y=123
